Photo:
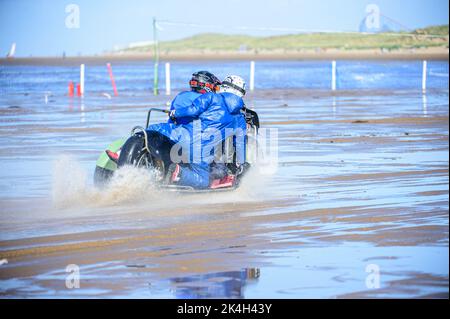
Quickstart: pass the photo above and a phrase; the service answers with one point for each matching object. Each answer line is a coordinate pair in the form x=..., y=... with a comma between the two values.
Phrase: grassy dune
x=302, y=42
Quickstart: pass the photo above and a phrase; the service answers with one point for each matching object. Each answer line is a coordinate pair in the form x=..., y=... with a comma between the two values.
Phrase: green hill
x=419, y=38
x=436, y=30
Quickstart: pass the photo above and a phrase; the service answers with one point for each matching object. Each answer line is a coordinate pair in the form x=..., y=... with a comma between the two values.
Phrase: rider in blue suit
x=206, y=122
x=200, y=83
x=217, y=114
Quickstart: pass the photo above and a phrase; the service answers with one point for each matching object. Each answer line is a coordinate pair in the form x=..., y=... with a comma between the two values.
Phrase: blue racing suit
x=207, y=121
x=183, y=100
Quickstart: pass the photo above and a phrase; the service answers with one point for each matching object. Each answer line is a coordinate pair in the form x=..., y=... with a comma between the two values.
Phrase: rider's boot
x=173, y=174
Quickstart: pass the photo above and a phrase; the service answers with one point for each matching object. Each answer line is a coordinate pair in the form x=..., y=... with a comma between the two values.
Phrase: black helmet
x=204, y=81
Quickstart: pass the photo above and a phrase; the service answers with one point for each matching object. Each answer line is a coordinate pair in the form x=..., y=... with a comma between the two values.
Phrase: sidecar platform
x=189, y=189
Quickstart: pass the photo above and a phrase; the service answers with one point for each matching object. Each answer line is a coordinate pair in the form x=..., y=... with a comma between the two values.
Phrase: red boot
x=227, y=181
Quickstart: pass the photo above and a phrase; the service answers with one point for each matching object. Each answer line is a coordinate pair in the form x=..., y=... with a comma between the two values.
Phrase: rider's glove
x=172, y=115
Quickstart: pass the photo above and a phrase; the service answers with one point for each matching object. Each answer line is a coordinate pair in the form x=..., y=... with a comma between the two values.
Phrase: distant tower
x=12, y=51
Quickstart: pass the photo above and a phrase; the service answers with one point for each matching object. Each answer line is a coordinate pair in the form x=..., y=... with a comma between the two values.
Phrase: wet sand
x=436, y=53
x=362, y=180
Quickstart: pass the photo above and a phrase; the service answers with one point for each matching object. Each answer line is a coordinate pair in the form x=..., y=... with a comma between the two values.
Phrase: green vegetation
x=419, y=38
x=436, y=30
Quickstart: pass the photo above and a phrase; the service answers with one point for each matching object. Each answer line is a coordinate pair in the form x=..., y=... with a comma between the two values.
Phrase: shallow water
x=134, y=78
x=362, y=182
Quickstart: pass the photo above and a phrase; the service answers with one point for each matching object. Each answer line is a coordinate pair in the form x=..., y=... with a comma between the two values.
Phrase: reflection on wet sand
x=424, y=105
x=227, y=284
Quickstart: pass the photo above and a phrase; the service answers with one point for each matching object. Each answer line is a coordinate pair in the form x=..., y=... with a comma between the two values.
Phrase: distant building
x=140, y=44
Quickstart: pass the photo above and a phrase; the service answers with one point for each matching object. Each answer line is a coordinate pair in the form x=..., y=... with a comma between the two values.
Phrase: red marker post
x=71, y=89
x=111, y=76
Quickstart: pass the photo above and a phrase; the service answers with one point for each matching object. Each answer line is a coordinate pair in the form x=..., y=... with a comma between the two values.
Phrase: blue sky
x=39, y=26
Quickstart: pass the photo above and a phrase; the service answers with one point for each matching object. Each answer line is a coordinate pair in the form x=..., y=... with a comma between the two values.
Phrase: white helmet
x=233, y=84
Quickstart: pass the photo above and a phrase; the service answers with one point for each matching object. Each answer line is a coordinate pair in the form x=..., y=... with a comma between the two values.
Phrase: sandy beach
x=438, y=53
x=362, y=180
x=342, y=192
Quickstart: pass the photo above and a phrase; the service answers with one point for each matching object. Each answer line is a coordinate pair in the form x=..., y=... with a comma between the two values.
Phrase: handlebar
x=156, y=110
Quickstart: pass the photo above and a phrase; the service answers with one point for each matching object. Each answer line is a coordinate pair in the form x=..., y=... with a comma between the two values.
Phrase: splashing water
x=72, y=187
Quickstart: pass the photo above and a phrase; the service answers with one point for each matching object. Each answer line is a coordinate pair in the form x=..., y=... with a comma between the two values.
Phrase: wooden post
x=333, y=75
x=252, y=75
x=155, y=58
x=82, y=80
x=167, y=78
x=424, y=76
